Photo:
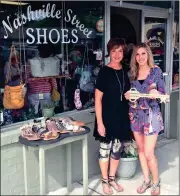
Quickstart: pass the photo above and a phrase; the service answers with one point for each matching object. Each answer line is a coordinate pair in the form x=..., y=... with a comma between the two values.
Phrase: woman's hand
x=154, y=92
x=101, y=129
x=127, y=95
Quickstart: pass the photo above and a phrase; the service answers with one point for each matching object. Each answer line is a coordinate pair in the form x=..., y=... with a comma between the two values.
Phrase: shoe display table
x=42, y=146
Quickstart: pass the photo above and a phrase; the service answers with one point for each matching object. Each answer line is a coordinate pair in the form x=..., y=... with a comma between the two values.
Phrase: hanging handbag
x=44, y=67
x=55, y=95
x=86, y=75
x=13, y=95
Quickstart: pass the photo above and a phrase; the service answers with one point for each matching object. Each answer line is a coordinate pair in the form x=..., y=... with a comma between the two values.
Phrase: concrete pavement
x=168, y=159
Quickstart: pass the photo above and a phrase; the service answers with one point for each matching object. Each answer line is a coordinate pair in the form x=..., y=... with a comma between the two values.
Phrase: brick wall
x=12, y=180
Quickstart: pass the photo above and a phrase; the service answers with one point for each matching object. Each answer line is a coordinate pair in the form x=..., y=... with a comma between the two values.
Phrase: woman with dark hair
x=112, y=127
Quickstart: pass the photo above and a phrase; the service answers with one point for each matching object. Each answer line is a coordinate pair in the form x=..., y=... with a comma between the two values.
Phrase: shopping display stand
x=42, y=146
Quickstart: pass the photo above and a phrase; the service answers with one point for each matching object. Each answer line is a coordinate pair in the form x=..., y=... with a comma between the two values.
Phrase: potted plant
x=48, y=109
x=129, y=160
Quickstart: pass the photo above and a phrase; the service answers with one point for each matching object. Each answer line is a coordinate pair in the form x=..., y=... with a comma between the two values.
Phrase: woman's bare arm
x=98, y=106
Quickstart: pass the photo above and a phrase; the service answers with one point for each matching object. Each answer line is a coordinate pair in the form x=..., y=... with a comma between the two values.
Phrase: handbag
x=86, y=74
x=13, y=95
x=45, y=67
x=55, y=95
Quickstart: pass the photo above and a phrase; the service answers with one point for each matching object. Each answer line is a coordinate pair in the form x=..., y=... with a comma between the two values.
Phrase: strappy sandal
x=105, y=182
x=66, y=123
x=77, y=100
x=156, y=189
x=72, y=121
x=29, y=134
x=114, y=184
x=76, y=122
x=41, y=131
x=77, y=128
x=61, y=128
x=51, y=125
x=145, y=185
x=50, y=135
x=25, y=131
x=35, y=128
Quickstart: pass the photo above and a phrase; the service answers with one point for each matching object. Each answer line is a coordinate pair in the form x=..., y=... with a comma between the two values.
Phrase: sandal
x=75, y=122
x=78, y=129
x=41, y=131
x=61, y=128
x=28, y=133
x=71, y=121
x=66, y=123
x=50, y=135
x=77, y=100
x=51, y=125
x=37, y=125
x=156, y=189
x=105, y=185
x=145, y=185
x=114, y=184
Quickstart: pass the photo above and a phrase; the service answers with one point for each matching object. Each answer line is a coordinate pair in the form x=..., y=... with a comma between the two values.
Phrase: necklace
x=121, y=86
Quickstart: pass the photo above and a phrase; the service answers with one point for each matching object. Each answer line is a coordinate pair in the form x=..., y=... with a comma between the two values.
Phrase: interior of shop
x=65, y=33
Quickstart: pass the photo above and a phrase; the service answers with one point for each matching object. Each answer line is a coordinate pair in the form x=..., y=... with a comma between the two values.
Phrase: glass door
x=156, y=28
x=155, y=32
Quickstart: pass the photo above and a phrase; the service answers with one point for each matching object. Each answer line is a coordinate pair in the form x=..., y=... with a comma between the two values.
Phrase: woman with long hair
x=145, y=115
x=112, y=126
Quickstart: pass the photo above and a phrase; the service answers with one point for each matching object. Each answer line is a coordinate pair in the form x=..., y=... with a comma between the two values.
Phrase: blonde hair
x=134, y=67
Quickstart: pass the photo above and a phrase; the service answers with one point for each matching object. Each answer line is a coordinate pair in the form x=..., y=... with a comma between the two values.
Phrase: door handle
x=166, y=73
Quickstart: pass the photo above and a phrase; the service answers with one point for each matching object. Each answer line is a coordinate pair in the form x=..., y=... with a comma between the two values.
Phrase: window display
x=52, y=129
x=155, y=29
x=59, y=49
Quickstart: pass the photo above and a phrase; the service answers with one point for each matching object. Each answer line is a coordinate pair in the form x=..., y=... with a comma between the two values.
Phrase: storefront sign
x=42, y=35
x=47, y=11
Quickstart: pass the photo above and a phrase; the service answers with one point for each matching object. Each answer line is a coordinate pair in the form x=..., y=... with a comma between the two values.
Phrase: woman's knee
x=104, y=151
x=139, y=142
x=149, y=154
x=116, y=149
x=116, y=156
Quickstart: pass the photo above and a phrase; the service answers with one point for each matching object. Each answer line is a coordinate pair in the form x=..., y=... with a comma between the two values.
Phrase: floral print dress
x=145, y=114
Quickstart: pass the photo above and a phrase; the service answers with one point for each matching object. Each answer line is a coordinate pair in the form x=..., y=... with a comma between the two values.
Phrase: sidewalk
x=168, y=158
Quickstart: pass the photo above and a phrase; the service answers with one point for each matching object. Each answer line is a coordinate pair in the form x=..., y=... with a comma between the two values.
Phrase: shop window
x=155, y=36
x=58, y=48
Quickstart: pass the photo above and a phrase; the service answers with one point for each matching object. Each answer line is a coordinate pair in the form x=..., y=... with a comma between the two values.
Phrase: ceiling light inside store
x=13, y=3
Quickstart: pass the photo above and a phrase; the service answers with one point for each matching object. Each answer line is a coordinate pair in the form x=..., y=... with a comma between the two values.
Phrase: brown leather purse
x=13, y=95
x=55, y=95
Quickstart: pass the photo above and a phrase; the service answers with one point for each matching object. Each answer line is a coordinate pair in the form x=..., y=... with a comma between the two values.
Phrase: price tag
x=41, y=96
